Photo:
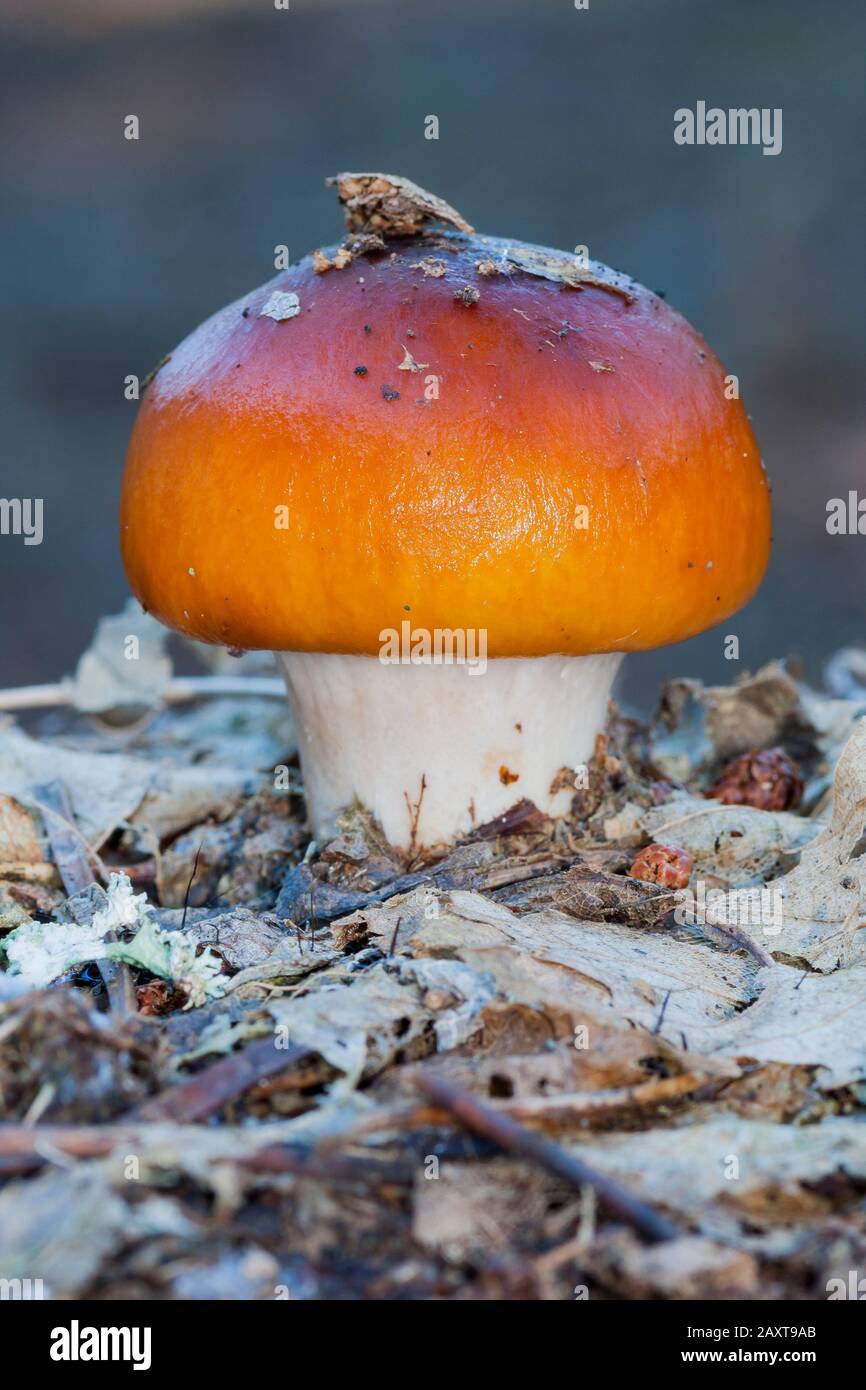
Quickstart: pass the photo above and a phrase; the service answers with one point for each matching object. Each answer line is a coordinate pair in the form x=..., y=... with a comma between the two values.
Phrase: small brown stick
x=735, y=938
x=513, y=1138
x=415, y=816
x=338, y=1168
x=392, y=948
x=189, y=885
x=226, y=1080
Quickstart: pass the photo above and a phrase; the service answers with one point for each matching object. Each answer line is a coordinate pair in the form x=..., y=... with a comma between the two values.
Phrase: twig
x=393, y=945
x=513, y=1138
x=24, y=1148
x=661, y=1018
x=189, y=885
x=281, y=1158
x=735, y=938
x=178, y=691
x=414, y=809
x=226, y=1080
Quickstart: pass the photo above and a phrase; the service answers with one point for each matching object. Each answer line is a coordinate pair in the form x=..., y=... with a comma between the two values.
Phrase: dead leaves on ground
x=524, y=962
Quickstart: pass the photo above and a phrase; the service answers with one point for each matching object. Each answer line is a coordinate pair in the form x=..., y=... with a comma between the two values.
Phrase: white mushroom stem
x=433, y=750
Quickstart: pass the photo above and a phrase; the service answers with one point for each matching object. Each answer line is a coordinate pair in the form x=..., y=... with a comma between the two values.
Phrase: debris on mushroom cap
x=409, y=364
x=568, y=270
x=346, y=253
x=431, y=266
x=281, y=306
x=391, y=205
x=468, y=295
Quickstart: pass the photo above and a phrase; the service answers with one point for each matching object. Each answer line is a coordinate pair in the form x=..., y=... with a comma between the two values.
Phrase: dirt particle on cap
x=506, y=776
x=431, y=266
x=487, y=267
x=360, y=371
x=281, y=305
x=389, y=394
x=602, y=366
x=469, y=295
x=409, y=364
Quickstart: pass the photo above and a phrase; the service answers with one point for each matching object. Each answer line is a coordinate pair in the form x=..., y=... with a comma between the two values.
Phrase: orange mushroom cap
x=554, y=460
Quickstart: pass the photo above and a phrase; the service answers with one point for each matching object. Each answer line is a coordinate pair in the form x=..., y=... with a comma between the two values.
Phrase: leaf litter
x=235, y=1063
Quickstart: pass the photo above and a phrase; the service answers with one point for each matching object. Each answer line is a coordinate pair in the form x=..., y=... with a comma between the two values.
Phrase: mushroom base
x=433, y=750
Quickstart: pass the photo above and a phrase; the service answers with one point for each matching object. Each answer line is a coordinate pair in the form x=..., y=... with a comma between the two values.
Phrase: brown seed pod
x=767, y=779
x=664, y=864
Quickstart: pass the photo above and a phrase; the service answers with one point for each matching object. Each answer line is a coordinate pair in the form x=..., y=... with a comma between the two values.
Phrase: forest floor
x=237, y=1066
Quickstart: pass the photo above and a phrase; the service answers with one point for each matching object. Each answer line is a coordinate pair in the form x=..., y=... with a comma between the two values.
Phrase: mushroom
x=448, y=563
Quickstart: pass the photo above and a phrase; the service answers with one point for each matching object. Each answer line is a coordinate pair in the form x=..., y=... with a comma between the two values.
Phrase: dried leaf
x=828, y=886
x=390, y=205
x=603, y=897
x=737, y=842
x=575, y=972
x=811, y=1020
x=126, y=664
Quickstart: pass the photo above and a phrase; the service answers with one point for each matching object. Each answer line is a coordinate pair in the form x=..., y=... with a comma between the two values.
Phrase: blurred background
x=556, y=126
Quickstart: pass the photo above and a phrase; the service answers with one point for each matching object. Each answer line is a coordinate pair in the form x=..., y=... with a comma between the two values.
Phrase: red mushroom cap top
x=458, y=429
